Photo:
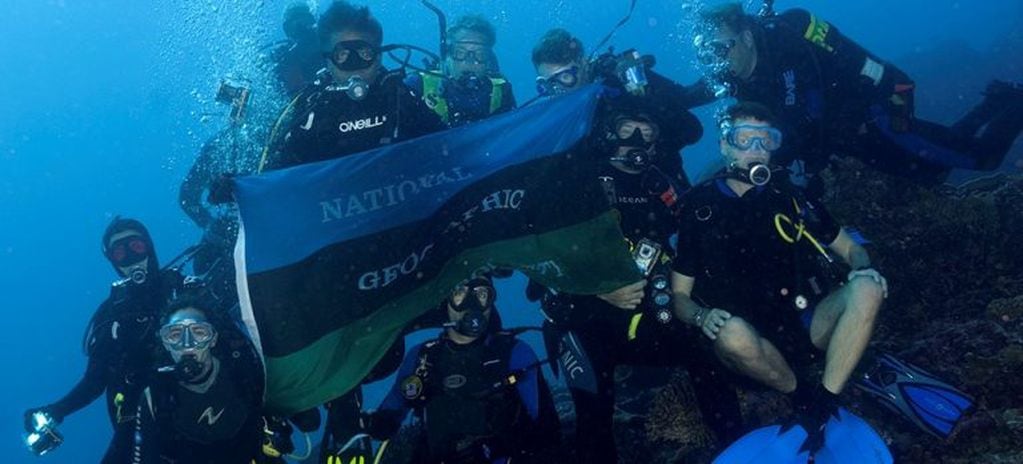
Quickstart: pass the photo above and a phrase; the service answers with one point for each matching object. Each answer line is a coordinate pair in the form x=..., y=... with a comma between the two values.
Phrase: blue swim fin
x=933, y=405
x=847, y=440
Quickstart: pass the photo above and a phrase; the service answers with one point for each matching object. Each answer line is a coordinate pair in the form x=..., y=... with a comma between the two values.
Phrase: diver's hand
x=222, y=190
x=627, y=297
x=711, y=321
x=30, y=423
x=873, y=275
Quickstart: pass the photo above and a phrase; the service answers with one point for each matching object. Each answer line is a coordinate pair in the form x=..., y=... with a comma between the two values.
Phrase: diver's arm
x=677, y=96
x=195, y=183
x=851, y=252
x=686, y=309
x=709, y=320
x=90, y=387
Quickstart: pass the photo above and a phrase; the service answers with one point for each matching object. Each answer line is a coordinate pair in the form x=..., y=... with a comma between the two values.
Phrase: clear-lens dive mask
x=187, y=333
x=481, y=55
x=353, y=55
x=746, y=137
x=559, y=82
x=45, y=437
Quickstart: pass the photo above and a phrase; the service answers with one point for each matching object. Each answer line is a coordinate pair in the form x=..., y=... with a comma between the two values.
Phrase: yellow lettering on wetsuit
x=800, y=231
x=817, y=33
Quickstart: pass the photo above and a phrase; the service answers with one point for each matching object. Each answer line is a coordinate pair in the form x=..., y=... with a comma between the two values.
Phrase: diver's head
x=560, y=63
x=470, y=51
x=726, y=42
x=470, y=308
x=351, y=39
x=299, y=22
x=748, y=138
x=632, y=141
x=129, y=248
x=188, y=335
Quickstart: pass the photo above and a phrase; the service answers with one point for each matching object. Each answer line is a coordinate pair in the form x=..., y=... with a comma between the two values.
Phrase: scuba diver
x=355, y=106
x=206, y=406
x=477, y=390
x=297, y=60
x=747, y=273
x=468, y=87
x=634, y=325
x=833, y=97
x=119, y=340
x=235, y=150
x=562, y=66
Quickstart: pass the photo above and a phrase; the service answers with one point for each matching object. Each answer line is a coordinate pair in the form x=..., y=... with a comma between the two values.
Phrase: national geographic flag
x=335, y=258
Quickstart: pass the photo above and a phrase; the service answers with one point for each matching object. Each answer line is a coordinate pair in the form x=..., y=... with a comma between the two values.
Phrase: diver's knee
x=867, y=294
x=738, y=340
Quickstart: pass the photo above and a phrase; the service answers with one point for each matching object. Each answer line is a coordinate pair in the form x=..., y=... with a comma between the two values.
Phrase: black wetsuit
x=471, y=411
x=296, y=62
x=234, y=150
x=612, y=336
x=735, y=250
x=220, y=424
x=836, y=98
x=122, y=346
x=323, y=123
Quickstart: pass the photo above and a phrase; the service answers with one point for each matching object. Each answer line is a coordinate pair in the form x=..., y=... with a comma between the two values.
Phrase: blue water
x=101, y=113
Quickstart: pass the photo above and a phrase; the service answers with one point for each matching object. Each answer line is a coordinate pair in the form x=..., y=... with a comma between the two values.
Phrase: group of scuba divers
x=760, y=287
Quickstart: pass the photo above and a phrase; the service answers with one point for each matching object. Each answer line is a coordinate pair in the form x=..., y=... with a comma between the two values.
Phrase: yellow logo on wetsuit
x=817, y=32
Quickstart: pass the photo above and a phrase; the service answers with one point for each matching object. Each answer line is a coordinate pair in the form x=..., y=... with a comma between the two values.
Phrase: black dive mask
x=758, y=174
x=474, y=322
x=637, y=155
x=353, y=55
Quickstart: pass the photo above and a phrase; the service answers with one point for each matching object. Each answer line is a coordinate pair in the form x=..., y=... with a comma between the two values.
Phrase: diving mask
x=558, y=82
x=353, y=55
x=746, y=137
x=186, y=334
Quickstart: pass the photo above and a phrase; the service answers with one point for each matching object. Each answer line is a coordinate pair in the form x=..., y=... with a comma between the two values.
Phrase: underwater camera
x=45, y=438
x=628, y=68
x=235, y=93
x=647, y=255
x=632, y=71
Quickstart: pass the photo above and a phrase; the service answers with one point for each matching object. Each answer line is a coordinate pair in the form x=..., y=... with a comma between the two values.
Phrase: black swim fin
x=931, y=404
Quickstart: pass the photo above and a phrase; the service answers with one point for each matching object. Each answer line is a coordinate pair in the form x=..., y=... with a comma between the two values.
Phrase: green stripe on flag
x=586, y=258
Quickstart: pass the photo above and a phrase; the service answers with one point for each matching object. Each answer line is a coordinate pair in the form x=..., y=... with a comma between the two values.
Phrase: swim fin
x=847, y=440
x=933, y=405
